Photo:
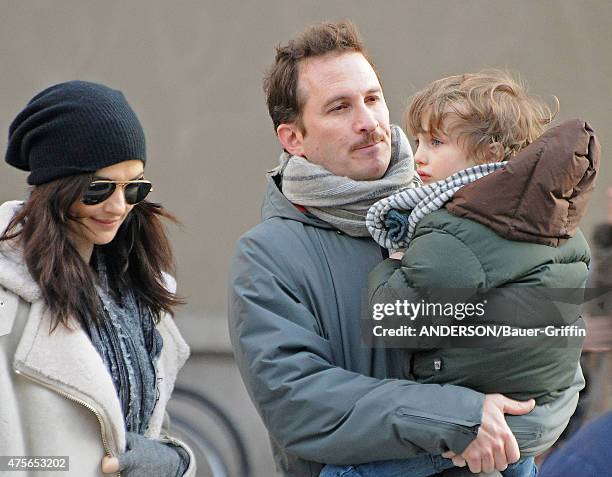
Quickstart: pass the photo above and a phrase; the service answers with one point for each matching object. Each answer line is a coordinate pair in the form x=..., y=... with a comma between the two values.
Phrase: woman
x=88, y=350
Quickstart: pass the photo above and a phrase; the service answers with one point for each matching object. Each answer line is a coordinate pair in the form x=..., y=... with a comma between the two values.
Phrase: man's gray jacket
x=296, y=290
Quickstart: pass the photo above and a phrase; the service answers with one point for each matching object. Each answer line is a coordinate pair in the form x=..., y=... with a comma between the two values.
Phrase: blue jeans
x=422, y=465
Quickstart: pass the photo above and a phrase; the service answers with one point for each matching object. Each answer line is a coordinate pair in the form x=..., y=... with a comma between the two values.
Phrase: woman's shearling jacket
x=57, y=397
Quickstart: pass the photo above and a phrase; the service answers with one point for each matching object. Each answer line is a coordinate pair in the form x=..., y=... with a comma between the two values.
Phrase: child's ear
x=496, y=151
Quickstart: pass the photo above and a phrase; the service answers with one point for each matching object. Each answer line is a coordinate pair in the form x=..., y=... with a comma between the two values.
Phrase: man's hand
x=495, y=446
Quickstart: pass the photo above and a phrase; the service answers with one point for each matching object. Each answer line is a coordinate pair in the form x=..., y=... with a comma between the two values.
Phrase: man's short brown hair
x=481, y=109
x=285, y=104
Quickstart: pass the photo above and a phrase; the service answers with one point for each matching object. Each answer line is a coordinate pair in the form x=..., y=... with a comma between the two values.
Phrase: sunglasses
x=133, y=191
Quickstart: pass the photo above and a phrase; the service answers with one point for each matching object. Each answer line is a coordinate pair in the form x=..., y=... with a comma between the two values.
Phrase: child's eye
x=435, y=142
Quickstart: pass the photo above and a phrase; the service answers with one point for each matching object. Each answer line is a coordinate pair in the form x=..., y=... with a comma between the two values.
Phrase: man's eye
x=339, y=107
x=372, y=99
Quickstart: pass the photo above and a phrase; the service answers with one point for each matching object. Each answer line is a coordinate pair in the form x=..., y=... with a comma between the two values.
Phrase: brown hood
x=542, y=193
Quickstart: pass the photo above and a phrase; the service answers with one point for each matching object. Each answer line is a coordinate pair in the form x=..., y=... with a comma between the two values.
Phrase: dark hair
x=135, y=258
x=281, y=82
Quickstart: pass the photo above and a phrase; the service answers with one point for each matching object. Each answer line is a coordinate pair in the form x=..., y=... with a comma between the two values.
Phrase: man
x=298, y=280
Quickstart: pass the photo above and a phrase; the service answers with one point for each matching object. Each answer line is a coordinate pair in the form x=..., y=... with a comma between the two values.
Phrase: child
x=504, y=231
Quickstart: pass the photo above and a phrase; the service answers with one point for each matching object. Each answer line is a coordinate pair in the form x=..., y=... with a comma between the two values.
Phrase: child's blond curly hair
x=490, y=107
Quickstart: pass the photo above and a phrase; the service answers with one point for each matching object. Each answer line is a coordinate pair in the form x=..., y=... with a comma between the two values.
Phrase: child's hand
x=397, y=255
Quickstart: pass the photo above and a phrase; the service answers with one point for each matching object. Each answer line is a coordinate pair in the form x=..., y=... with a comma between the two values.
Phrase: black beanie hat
x=74, y=127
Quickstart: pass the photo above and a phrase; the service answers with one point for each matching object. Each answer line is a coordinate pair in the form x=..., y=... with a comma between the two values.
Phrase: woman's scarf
x=129, y=344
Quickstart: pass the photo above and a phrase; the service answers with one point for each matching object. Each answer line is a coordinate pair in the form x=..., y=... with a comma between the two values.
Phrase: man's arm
x=312, y=407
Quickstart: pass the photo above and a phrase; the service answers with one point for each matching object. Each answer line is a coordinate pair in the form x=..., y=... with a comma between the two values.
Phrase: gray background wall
x=192, y=70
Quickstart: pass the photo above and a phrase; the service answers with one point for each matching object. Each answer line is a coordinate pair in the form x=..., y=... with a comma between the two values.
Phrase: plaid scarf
x=344, y=202
x=393, y=220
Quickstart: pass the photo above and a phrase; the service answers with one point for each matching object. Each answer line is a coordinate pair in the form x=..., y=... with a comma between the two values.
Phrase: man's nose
x=366, y=120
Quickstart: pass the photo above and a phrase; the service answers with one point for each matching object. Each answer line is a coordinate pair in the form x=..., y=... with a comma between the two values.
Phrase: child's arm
x=434, y=259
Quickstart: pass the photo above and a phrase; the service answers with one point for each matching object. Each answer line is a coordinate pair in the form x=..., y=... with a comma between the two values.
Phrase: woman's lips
x=423, y=175
x=105, y=223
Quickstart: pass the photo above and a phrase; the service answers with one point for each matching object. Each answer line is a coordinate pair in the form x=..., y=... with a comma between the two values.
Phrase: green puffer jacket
x=453, y=252
x=550, y=184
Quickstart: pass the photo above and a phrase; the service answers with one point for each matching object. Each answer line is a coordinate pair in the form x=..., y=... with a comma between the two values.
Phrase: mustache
x=374, y=137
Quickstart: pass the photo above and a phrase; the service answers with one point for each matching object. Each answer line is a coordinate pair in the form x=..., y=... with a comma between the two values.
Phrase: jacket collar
x=275, y=204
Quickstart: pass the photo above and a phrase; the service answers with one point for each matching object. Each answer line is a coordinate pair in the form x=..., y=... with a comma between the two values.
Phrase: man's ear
x=291, y=138
x=496, y=151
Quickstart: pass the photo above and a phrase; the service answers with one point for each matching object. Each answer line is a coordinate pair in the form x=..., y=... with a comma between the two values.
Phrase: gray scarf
x=393, y=220
x=129, y=344
x=344, y=202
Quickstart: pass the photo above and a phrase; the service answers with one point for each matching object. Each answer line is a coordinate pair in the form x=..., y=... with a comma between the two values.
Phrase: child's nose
x=419, y=157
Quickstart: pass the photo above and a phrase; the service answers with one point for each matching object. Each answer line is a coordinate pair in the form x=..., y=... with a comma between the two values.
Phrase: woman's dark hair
x=135, y=259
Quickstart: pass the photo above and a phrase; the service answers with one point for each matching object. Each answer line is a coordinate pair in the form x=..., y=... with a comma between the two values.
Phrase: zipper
x=88, y=406
x=462, y=425
x=464, y=428
x=409, y=412
x=526, y=432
